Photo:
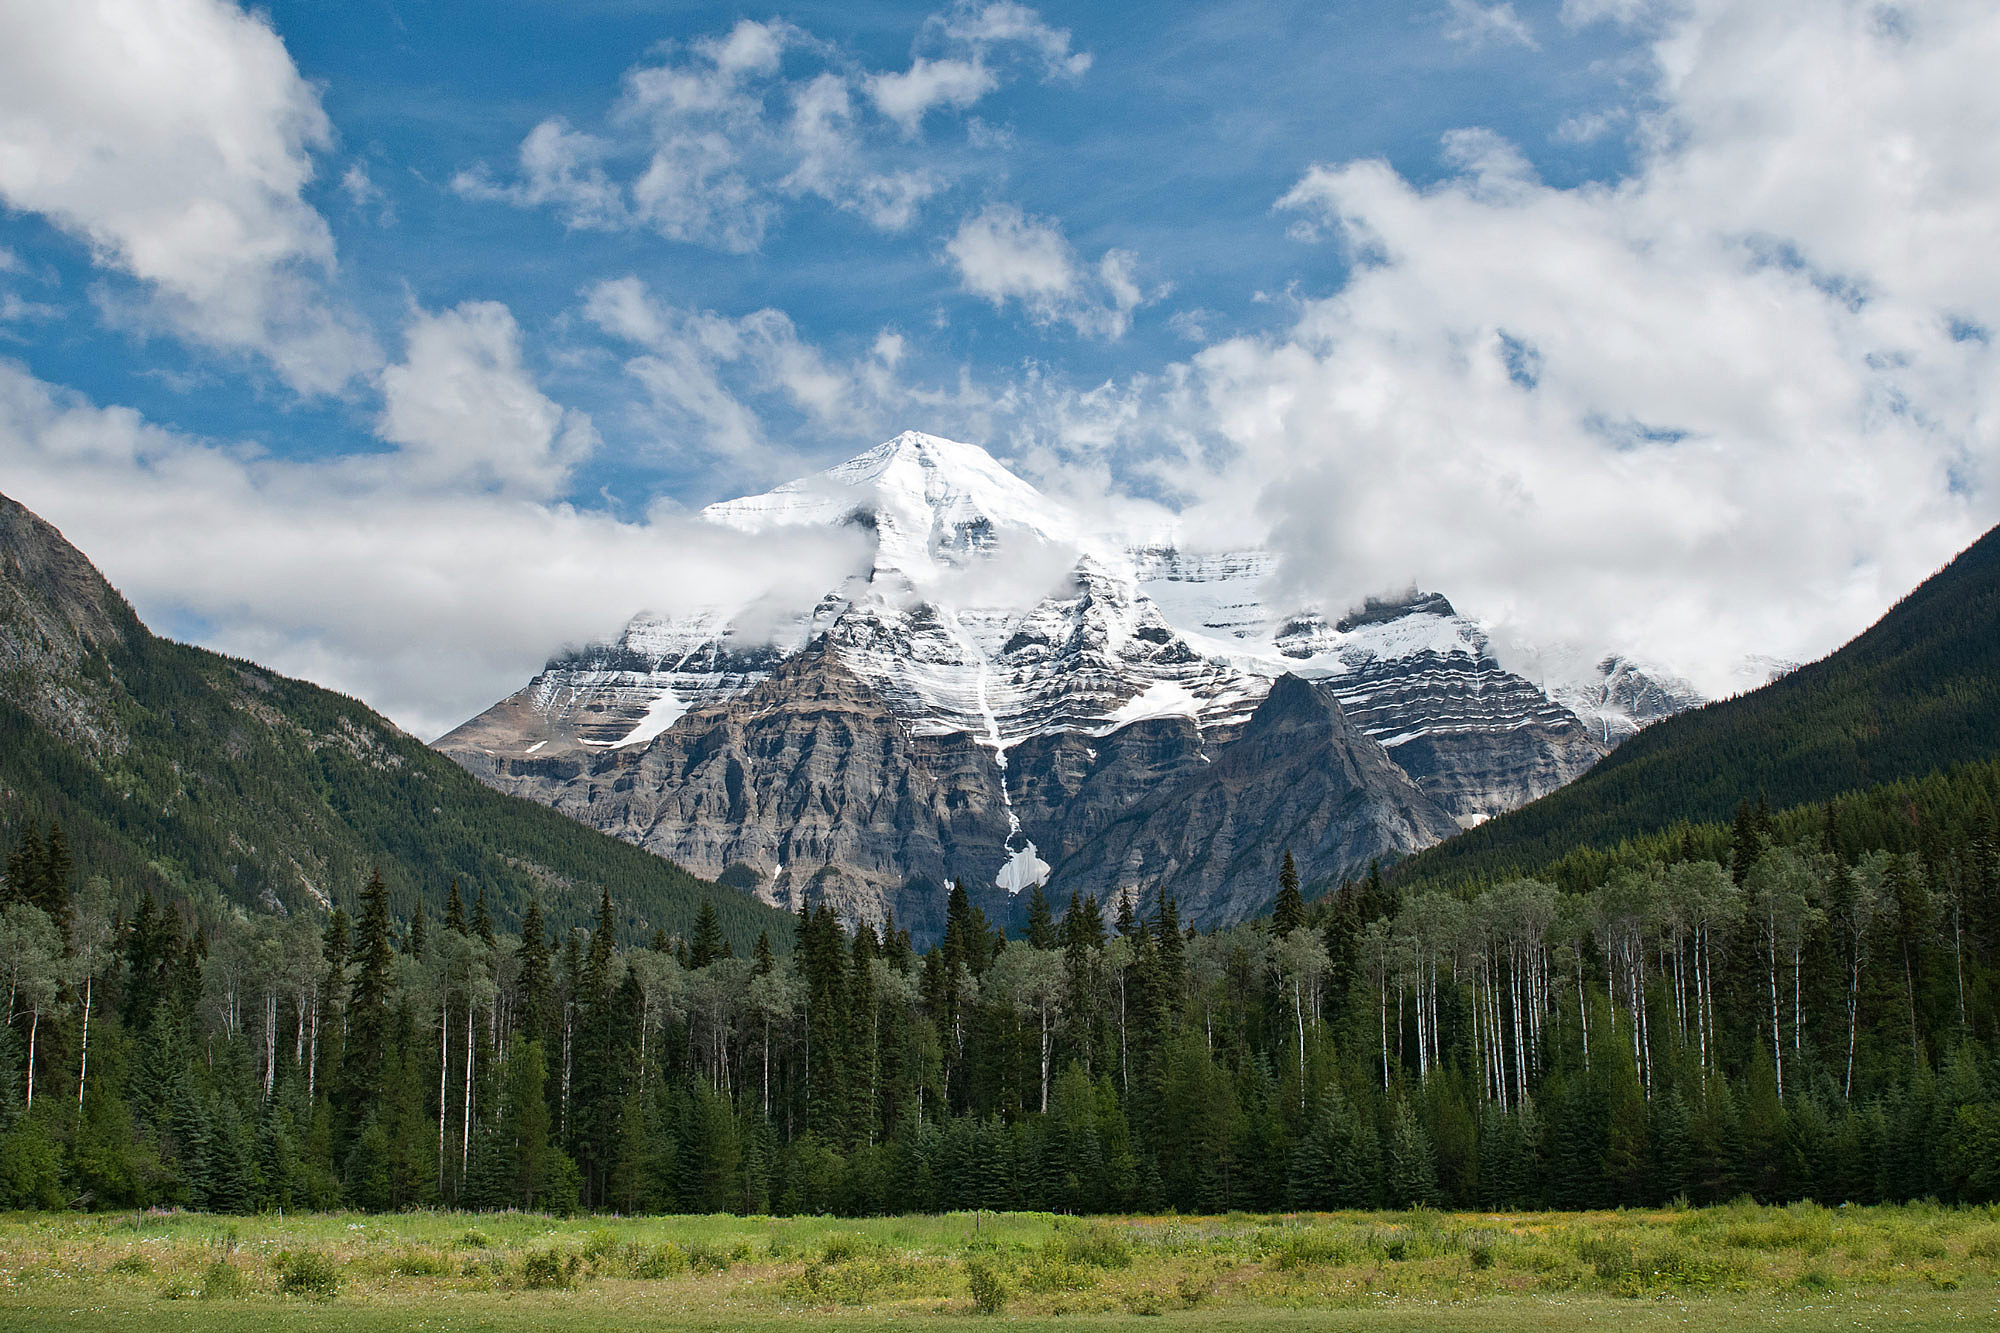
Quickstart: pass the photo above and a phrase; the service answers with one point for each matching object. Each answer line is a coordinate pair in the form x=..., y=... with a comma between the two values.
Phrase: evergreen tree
x=707, y=944
x=1288, y=913
x=1041, y=923
x=1412, y=1177
x=368, y=1003
x=417, y=938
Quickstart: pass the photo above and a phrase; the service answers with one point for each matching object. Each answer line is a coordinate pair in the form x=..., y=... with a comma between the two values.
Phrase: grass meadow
x=1803, y=1266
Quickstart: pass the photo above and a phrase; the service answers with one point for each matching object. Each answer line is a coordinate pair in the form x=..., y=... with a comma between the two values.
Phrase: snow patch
x=1163, y=698
x=1024, y=870
x=661, y=713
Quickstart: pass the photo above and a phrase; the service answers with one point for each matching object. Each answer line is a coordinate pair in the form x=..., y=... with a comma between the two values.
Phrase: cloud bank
x=1733, y=404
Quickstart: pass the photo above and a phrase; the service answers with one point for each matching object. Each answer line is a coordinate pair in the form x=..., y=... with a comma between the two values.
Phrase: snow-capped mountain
x=1001, y=644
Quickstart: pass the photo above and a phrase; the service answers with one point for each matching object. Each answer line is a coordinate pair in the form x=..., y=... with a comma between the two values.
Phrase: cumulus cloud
x=714, y=382
x=427, y=603
x=981, y=41
x=1733, y=404
x=1470, y=23
x=175, y=138
x=1003, y=255
x=466, y=413
x=710, y=145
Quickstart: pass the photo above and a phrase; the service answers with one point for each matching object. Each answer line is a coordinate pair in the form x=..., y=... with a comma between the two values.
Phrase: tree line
x=1772, y=1008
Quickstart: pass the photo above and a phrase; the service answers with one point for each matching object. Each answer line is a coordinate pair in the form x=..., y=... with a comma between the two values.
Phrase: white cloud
x=1733, y=404
x=468, y=416
x=713, y=381
x=428, y=604
x=175, y=137
x=908, y=96
x=1003, y=254
x=710, y=145
x=559, y=169
x=1589, y=127
x=1470, y=23
x=1580, y=13
x=982, y=41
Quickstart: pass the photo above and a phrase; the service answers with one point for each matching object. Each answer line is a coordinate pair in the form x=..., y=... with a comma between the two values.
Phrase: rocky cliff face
x=807, y=784
x=1300, y=777
x=1018, y=685
x=56, y=612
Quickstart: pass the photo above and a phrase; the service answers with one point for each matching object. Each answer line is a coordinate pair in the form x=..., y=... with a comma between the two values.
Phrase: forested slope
x=1916, y=693
x=178, y=769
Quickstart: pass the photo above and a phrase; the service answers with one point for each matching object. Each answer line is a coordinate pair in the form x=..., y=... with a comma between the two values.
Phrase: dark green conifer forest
x=1799, y=1004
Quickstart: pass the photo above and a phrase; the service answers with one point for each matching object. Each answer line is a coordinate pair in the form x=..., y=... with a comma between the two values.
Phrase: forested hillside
x=1812, y=1015
x=1916, y=693
x=210, y=779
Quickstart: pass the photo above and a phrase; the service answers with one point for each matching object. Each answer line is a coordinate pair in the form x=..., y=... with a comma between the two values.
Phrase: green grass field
x=1799, y=1267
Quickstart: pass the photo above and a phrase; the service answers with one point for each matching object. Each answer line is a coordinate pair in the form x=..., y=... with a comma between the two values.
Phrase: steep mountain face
x=1916, y=693
x=1055, y=675
x=1624, y=698
x=1301, y=778
x=194, y=774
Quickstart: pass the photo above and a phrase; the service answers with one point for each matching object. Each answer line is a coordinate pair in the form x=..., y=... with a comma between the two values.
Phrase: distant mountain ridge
x=196, y=774
x=1009, y=697
x=1916, y=693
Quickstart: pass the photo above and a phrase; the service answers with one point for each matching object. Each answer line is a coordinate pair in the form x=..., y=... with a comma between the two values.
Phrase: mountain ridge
x=1914, y=693
x=196, y=774
x=991, y=623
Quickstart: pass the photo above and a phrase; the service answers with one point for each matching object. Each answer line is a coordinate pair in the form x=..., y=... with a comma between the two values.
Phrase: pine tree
x=524, y=1121
x=706, y=946
x=454, y=909
x=538, y=989
x=418, y=937
x=1041, y=924
x=368, y=1011
x=1412, y=1180
x=482, y=919
x=1289, y=912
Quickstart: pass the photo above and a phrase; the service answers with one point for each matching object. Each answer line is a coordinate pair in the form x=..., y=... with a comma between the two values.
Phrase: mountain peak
x=928, y=500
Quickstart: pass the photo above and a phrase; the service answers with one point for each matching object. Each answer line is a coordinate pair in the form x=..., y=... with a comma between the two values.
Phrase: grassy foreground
x=1798, y=1267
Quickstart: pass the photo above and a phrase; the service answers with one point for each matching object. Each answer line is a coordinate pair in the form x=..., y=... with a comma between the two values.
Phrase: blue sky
x=390, y=343
x=1172, y=146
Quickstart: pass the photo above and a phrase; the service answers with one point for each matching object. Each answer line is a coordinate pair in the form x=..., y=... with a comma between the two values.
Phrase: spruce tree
x=1041, y=924
x=1412, y=1178
x=482, y=919
x=538, y=988
x=1288, y=913
x=706, y=946
x=418, y=936
x=368, y=1011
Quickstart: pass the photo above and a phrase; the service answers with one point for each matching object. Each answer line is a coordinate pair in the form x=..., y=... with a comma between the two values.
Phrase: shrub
x=421, y=1263
x=1310, y=1248
x=541, y=1269
x=1097, y=1245
x=1145, y=1301
x=307, y=1273
x=474, y=1239
x=704, y=1257
x=137, y=1265
x=223, y=1281
x=1194, y=1289
x=840, y=1247
x=655, y=1263
x=988, y=1285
